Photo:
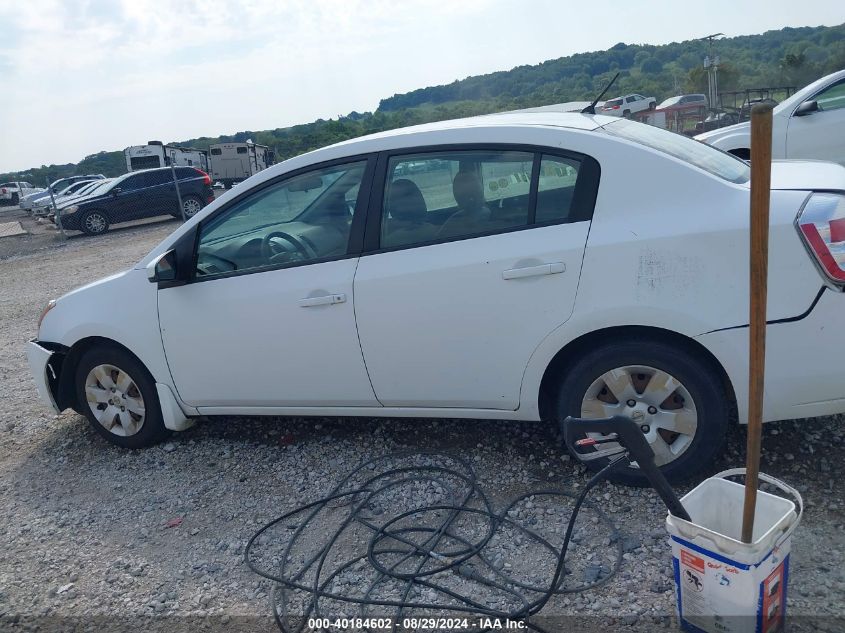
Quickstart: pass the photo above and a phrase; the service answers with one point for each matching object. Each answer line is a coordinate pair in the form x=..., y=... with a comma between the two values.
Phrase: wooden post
x=761, y=175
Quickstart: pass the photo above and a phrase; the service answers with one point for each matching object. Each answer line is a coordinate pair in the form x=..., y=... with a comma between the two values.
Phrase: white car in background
x=12, y=192
x=627, y=105
x=523, y=266
x=809, y=124
x=44, y=204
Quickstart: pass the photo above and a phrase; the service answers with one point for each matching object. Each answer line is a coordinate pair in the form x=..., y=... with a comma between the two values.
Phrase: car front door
x=268, y=318
x=127, y=202
x=475, y=258
x=820, y=134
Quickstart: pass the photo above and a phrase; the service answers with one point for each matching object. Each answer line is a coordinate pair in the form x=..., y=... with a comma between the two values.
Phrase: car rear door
x=274, y=328
x=456, y=293
x=821, y=134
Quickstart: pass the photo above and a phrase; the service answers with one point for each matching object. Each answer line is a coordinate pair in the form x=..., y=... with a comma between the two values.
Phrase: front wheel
x=94, y=222
x=676, y=398
x=119, y=398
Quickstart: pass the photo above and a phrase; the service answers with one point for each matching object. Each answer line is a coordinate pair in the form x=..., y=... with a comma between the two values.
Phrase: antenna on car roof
x=591, y=109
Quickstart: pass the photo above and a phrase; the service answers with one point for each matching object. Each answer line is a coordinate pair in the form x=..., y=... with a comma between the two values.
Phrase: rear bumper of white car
x=45, y=376
x=805, y=362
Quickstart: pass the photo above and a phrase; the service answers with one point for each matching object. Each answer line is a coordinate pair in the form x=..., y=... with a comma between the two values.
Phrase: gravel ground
x=92, y=531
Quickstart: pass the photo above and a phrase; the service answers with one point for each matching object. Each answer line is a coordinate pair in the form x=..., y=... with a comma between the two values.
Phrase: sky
x=81, y=76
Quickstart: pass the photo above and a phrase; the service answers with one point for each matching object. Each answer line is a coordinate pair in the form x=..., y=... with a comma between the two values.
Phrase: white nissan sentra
x=517, y=266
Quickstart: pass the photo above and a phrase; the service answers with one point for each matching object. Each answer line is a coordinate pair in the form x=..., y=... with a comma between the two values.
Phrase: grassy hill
x=787, y=57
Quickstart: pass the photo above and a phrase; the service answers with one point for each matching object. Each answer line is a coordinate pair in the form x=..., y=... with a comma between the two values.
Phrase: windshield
x=696, y=153
x=102, y=187
x=90, y=187
x=669, y=102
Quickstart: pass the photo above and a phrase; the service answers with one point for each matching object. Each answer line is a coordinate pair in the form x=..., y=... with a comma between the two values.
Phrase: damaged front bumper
x=45, y=365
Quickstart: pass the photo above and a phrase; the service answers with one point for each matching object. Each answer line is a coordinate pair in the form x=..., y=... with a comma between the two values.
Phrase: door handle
x=323, y=300
x=534, y=271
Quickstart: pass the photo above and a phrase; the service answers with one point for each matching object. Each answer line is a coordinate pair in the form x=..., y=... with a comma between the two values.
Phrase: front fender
x=122, y=308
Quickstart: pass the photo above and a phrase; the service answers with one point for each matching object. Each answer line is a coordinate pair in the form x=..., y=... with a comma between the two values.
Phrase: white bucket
x=723, y=585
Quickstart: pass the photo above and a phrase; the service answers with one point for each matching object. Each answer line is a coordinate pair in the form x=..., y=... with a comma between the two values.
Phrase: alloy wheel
x=115, y=400
x=95, y=223
x=191, y=207
x=657, y=401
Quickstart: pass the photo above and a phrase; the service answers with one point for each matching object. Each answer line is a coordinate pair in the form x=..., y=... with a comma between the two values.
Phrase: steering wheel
x=269, y=252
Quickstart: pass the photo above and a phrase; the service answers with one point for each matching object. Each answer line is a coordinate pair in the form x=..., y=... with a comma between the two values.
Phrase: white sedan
x=809, y=124
x=521, y=266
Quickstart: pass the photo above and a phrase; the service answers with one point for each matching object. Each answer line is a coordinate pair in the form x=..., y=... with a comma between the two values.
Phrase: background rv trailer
x=234, y=162
x=156, y=154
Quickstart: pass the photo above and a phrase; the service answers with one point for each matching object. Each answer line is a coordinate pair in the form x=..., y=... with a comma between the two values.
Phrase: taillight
x=822, y=224
x=206, y=179
x=615, y=107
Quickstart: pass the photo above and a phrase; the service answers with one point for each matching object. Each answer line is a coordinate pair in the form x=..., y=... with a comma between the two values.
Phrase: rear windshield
x=696, y=153
x=614, y=102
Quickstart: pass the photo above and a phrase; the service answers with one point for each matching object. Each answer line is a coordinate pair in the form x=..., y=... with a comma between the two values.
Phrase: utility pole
x=711, y=65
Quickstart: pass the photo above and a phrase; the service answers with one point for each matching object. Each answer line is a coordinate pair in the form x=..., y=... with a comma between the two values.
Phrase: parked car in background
x=28, y=201
x=627, y=105
x=685, y=104
x=523, y=266
x=45, y=203
x=136, y=195
x=809, y=124
x=716, y=120
x=12, y=192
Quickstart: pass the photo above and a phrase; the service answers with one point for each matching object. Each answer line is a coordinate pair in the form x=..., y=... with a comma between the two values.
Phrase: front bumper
x=45, y=375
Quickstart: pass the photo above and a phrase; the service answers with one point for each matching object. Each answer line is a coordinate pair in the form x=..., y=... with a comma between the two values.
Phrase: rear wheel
x=652, y=105
x=94, y=222
x=119, y=398
x=676, y=398
x=15, y=199
x=191, y=205
x=626, y=114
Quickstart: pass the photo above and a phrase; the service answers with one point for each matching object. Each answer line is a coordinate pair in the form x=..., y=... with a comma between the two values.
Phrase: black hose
x=323, y=550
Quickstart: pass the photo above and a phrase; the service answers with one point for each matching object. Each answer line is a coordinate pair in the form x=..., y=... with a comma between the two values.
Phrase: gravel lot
x=92, y=531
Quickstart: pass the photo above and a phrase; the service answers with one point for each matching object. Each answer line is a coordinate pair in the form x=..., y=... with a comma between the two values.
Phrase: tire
x=679, y=455
x=94, y=222
x=626, y=113
x=15, y=199
x=193, y=203
x=652, y=106
x=111, y=372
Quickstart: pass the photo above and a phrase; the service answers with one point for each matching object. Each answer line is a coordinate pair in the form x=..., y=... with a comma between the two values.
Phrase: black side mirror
x=174, y=267
x=116, y=191
x=163, y=268
x=808, y=107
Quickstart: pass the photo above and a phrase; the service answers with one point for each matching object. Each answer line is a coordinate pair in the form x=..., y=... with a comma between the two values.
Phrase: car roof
x=386, y=139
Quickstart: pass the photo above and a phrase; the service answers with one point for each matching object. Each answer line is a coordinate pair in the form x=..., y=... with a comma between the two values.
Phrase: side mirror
x=162, y=268
x=808, y=107
x=116, y=191
x=175, y=266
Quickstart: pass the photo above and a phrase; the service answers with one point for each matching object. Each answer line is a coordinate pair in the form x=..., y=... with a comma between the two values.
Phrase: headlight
x=50, y=305
x=71, y=209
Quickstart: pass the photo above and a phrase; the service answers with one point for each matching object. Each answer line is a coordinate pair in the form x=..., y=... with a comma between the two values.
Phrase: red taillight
x=615, y=107
x=822, y=224
x=3, y=190
x=206, y=179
